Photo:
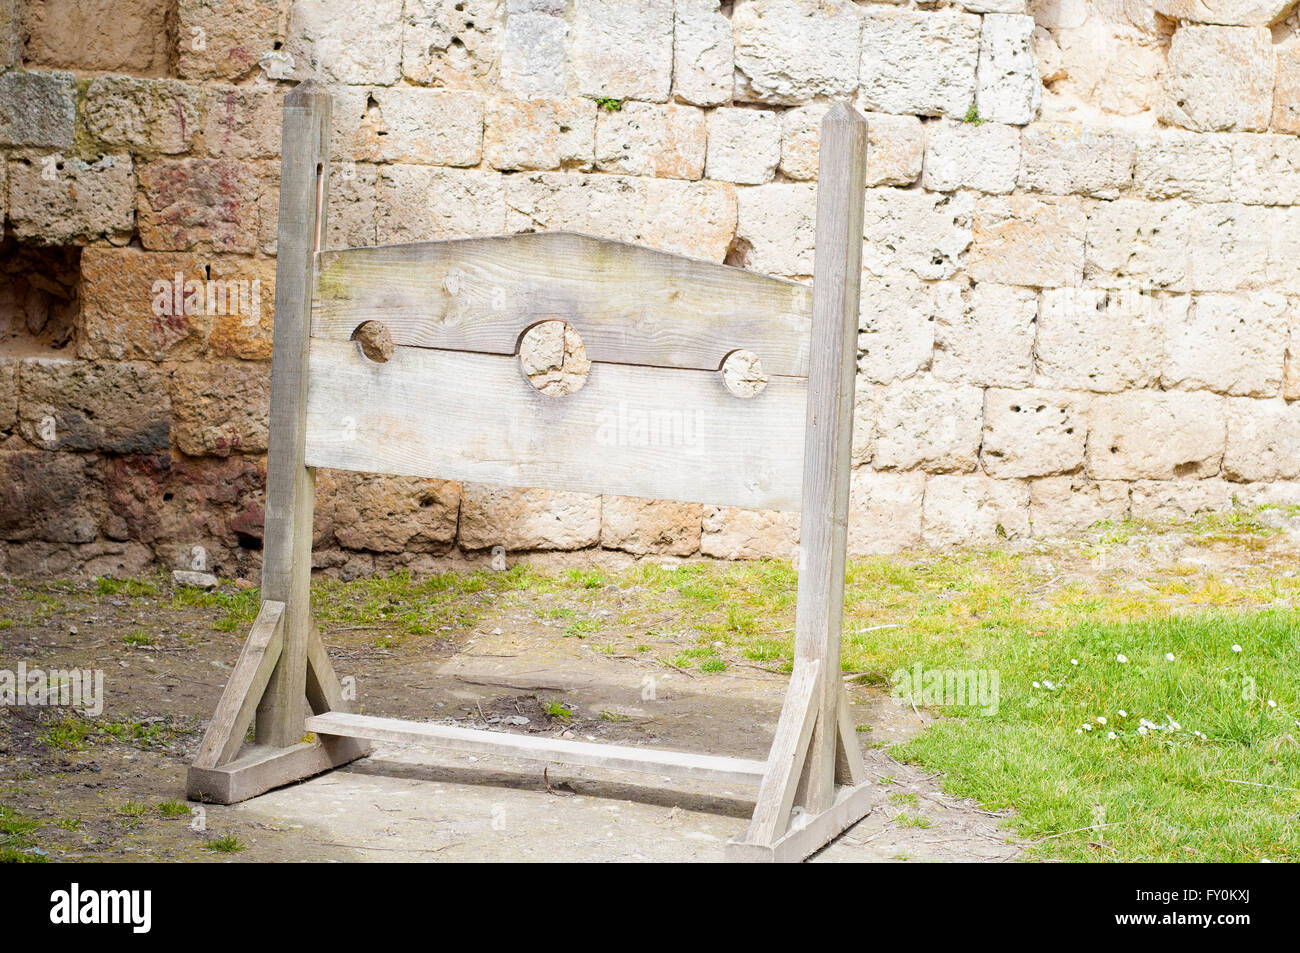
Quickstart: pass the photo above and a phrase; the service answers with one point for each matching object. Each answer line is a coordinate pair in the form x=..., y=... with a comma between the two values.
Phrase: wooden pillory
x=451, y=402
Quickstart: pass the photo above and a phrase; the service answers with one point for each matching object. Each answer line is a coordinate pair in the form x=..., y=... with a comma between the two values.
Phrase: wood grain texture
x=649, y=432
x=243, y=692
x=290, y=486
x=789, y=750
x=679, y=764
x=837, y=272
x=630, y=305
x=324, y=693
x=849, y=806
x=265, y=767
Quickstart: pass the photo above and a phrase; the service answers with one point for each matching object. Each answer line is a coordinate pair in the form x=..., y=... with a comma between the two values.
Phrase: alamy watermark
x=209, y=296
x=81, y=688
x=962, y=688
x=629, y=426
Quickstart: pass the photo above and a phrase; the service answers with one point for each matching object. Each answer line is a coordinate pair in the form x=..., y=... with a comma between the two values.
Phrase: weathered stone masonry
x=1082, y=249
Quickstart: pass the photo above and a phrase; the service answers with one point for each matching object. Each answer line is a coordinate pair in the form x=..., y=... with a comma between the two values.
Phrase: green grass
x=65, y=732
x=225, y=844
x=558, y=711
x=108, y=586
x=15, y=838
x=1199, y=767
x=139, y=637
x=174, y=809
x=1222, y=785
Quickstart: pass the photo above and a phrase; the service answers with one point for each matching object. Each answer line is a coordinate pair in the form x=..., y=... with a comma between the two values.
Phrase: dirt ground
x=105, y=797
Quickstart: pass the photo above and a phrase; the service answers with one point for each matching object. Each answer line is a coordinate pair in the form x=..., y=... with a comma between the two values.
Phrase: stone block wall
x=1081, y=280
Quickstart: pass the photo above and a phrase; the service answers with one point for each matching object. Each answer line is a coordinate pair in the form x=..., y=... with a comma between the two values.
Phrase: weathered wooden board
x=262, y=768
x=248, y=681
x=290, y=486
x=850, y=805
x=680, y=764
x=660, y=433
x=630, y=305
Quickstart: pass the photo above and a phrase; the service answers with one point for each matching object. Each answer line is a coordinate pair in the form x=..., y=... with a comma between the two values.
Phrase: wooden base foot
x=261, y=769
x=851, y=805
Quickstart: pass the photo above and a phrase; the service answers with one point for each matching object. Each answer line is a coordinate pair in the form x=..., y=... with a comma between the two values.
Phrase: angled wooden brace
x=814, y=787
x=283, y=667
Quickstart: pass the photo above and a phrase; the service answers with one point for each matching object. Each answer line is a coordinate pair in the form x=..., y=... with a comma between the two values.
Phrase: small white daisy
x=1169, y=656
x=1074, y=661
x=1036, y=685
x=1271, y=703
x=1110, y=735
x=1078, y=731
x=1087, y=727
x=1236, y=648
x=1123, y=713
x=1142, y=729
x=1101, y=719
x=1048, y=685
x=1121, y=658
x=1173, y=725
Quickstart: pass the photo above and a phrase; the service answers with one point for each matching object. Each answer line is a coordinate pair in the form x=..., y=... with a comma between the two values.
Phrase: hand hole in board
x=553, y=359
x=742, y=372
x=375, y=342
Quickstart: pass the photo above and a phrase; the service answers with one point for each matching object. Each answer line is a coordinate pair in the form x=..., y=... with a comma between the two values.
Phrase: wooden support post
x=290, y=485
x=816, y=747
x=828, y=435
x=247, y=682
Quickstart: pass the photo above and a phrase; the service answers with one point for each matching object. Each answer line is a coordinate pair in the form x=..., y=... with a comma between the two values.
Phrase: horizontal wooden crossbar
x=630, y=305
x=653, y=432
x=680, y=764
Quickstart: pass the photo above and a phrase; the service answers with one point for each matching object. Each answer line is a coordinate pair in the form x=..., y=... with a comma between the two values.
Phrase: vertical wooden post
x=837, y=275
x=290, y=485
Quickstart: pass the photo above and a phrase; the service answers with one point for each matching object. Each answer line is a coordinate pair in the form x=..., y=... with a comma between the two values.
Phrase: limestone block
x=643, y=527
x=186, y=203
x=1068, y=504
x=988, y=340
x=74, y=405
x=1033, y=432
x=453, y=44
x=1231, y=344
x=339, y=41
x=884, y=512
x=1008, y=88
x=1145, y=434
x=967, y=155
x=744, y=145
x=928, y=424
x=974, y=510
x=1066, y=158
x=1133, y=243
x=909, y=230
x=789, y=52
x=1263, y=440
x=221, y=408
x=523, y=520
x=1219, y=78
x=729, y=532
x=1091, y=339
x=224, y=39
x=1170, y=165
x=919, y=61
x=623, y=49
x=58, y=200
x=663, y=141
x=1027, y=240
x=703, y=55
x=419, y=203
x=37, y=109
